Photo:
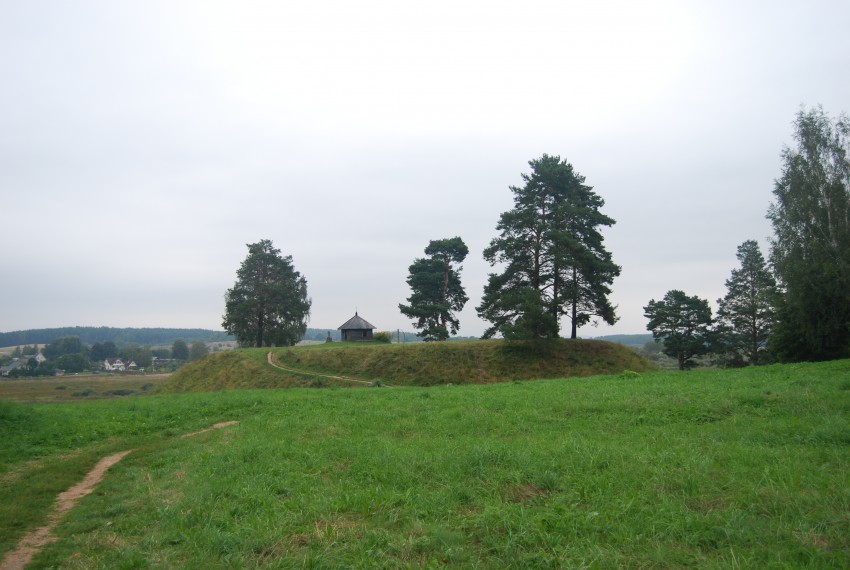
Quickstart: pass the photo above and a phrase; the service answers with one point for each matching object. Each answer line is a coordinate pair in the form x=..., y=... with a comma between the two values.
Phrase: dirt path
x=33, y=542
x=214, y=426
x=306, y=373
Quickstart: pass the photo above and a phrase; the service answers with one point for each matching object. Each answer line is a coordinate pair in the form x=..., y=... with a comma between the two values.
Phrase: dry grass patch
x=524, y=493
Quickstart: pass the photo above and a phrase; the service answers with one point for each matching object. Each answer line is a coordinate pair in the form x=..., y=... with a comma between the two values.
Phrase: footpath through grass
x=745, y=468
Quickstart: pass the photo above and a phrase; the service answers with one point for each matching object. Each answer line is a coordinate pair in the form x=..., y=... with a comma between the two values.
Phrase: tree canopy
x=682, y=324
x=810, y=251
x=198, y=350
x=436, y=291
x=552, y=256
x=63, y=346
x=268, y=304
x=180, y=350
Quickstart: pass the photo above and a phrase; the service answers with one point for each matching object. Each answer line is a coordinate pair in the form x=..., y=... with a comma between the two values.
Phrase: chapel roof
x=356, y=322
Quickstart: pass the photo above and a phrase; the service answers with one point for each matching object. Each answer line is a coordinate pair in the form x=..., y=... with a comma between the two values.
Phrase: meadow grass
x=742, y=469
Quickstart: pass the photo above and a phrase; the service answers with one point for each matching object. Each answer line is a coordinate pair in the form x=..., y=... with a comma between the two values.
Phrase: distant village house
x=20, y=363
x=118, y=365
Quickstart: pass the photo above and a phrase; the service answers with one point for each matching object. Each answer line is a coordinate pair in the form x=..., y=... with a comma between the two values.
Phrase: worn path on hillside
x=32, y=543
x=308, y=373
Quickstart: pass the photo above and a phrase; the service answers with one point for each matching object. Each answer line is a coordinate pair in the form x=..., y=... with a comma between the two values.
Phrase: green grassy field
x=712, y=469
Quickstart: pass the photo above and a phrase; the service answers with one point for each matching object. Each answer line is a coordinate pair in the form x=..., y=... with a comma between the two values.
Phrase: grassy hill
x=420, y=364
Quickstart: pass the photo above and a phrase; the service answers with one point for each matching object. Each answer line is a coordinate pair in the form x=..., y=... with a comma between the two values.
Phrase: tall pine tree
x=553, y=260
x=746, y=314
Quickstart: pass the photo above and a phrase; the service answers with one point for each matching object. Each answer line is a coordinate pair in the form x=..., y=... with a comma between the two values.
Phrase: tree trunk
x=445, y=295
x=260, y=326
x=574, y=332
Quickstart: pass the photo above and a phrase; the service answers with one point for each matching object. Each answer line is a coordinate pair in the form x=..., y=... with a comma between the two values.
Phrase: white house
x=113, y=365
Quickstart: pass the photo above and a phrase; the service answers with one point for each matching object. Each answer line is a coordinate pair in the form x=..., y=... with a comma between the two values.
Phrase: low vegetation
x=419, y=364
x=711, y=468
x=65, y=388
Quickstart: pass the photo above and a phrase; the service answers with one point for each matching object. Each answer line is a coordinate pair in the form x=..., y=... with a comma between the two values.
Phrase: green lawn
x=728, y=469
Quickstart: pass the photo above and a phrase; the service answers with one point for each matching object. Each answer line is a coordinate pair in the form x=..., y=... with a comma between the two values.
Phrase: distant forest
x=635, y=340
x=146, y=336
x=121, y=337
x=163, y=336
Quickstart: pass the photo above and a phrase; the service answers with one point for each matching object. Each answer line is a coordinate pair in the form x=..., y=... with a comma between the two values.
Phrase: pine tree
x=437, y=293
x=746, y=315
x=681, y=323
x=268, y=305
x=555, y=263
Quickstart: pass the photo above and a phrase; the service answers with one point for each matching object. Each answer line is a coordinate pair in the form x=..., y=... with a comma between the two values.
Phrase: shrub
x=383, y=336
x=119, y=392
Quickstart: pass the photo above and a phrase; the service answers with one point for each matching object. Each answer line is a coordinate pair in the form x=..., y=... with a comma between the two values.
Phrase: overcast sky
x=144, y=144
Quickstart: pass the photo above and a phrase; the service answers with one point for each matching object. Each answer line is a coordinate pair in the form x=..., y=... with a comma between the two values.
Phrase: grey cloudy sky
x=143, y=144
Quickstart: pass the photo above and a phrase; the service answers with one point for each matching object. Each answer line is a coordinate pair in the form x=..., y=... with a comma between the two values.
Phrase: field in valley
x=77, y=387
x=711, y=468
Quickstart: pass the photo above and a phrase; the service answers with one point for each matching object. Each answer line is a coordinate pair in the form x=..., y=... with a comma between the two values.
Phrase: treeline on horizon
x=148, y=336
x=167, y=336
x=120, y=336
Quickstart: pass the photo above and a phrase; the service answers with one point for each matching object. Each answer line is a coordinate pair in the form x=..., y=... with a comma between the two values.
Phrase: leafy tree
x=142, y=356
x=268, y=305
x=552, y=252
x=180, y=350
x=74, y=362
x=810, y=252
x=745, y=316
x=47, y=368
x=436, y=289
x=64, y=345
x=104, y=350
x=198, y=350
x=682, y=324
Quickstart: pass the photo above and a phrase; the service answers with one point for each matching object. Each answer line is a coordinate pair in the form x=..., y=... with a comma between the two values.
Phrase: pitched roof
x=356, y=322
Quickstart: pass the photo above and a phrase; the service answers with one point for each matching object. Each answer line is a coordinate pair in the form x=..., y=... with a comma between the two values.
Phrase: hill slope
x=423, y=364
